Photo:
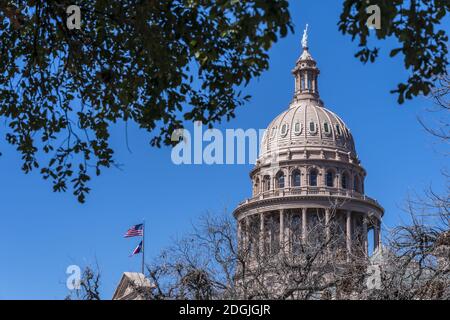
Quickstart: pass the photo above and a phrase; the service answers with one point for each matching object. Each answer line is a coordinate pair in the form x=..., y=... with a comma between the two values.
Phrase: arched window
x=344, y=181
x=338, y=129
x=313, y=178
x=356, y=183
x=329, y=179
x=256, y=186
x=280, y=180
x=296, y=178
x=266, y=183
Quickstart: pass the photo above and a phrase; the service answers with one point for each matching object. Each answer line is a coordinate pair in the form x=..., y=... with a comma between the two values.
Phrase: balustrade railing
x=322, y=191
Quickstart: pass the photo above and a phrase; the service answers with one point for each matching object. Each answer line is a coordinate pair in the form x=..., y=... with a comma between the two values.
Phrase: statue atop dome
x=306, y=73
x=305, y=38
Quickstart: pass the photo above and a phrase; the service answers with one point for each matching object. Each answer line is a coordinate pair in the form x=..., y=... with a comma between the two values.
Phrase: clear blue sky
x=41, y=232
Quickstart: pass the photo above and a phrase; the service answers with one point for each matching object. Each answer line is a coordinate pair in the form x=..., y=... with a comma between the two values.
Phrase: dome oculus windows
x=338, y=130
x=274, y=129
x=284, y=130
x=297, y=128
x=312, y=127
x=326, y=128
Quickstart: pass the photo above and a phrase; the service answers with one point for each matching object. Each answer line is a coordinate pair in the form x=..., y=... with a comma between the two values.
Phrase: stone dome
x=307, y=124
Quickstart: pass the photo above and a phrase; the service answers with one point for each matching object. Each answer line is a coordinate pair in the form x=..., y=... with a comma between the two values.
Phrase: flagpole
x=143, y=247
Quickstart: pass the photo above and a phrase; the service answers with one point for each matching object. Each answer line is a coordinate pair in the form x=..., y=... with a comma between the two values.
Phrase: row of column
x=266, y=183
x=306, y=81
x=304, y=231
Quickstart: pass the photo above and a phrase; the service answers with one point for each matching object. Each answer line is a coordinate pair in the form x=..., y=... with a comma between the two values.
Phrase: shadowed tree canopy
x=156, y=63
x=160, y=63
x=416, y=25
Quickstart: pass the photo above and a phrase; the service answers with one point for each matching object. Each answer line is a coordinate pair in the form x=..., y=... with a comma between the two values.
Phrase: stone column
x=376, y=235
x=246, y=236
x=379, y=234
x=288, y=180
x=282, y=241
x=351, y=182
x=261, y=233
x=364, y=236
x=304, y=225
x=239, y=235
x=289, y=232
x=327, y=226
x=349, y=234
x=338, y=180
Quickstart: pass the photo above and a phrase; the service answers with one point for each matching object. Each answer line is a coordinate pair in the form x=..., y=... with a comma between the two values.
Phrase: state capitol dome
x=308, y=184
x=307, y=123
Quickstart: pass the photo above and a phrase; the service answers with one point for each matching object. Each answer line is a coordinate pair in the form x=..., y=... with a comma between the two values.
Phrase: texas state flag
x=137, y=250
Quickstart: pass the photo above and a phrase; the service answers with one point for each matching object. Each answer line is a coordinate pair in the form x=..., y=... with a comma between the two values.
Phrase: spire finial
x=305, y=38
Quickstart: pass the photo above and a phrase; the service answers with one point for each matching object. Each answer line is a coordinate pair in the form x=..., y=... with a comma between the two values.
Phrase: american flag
x=135, y=231
x=137, y=250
